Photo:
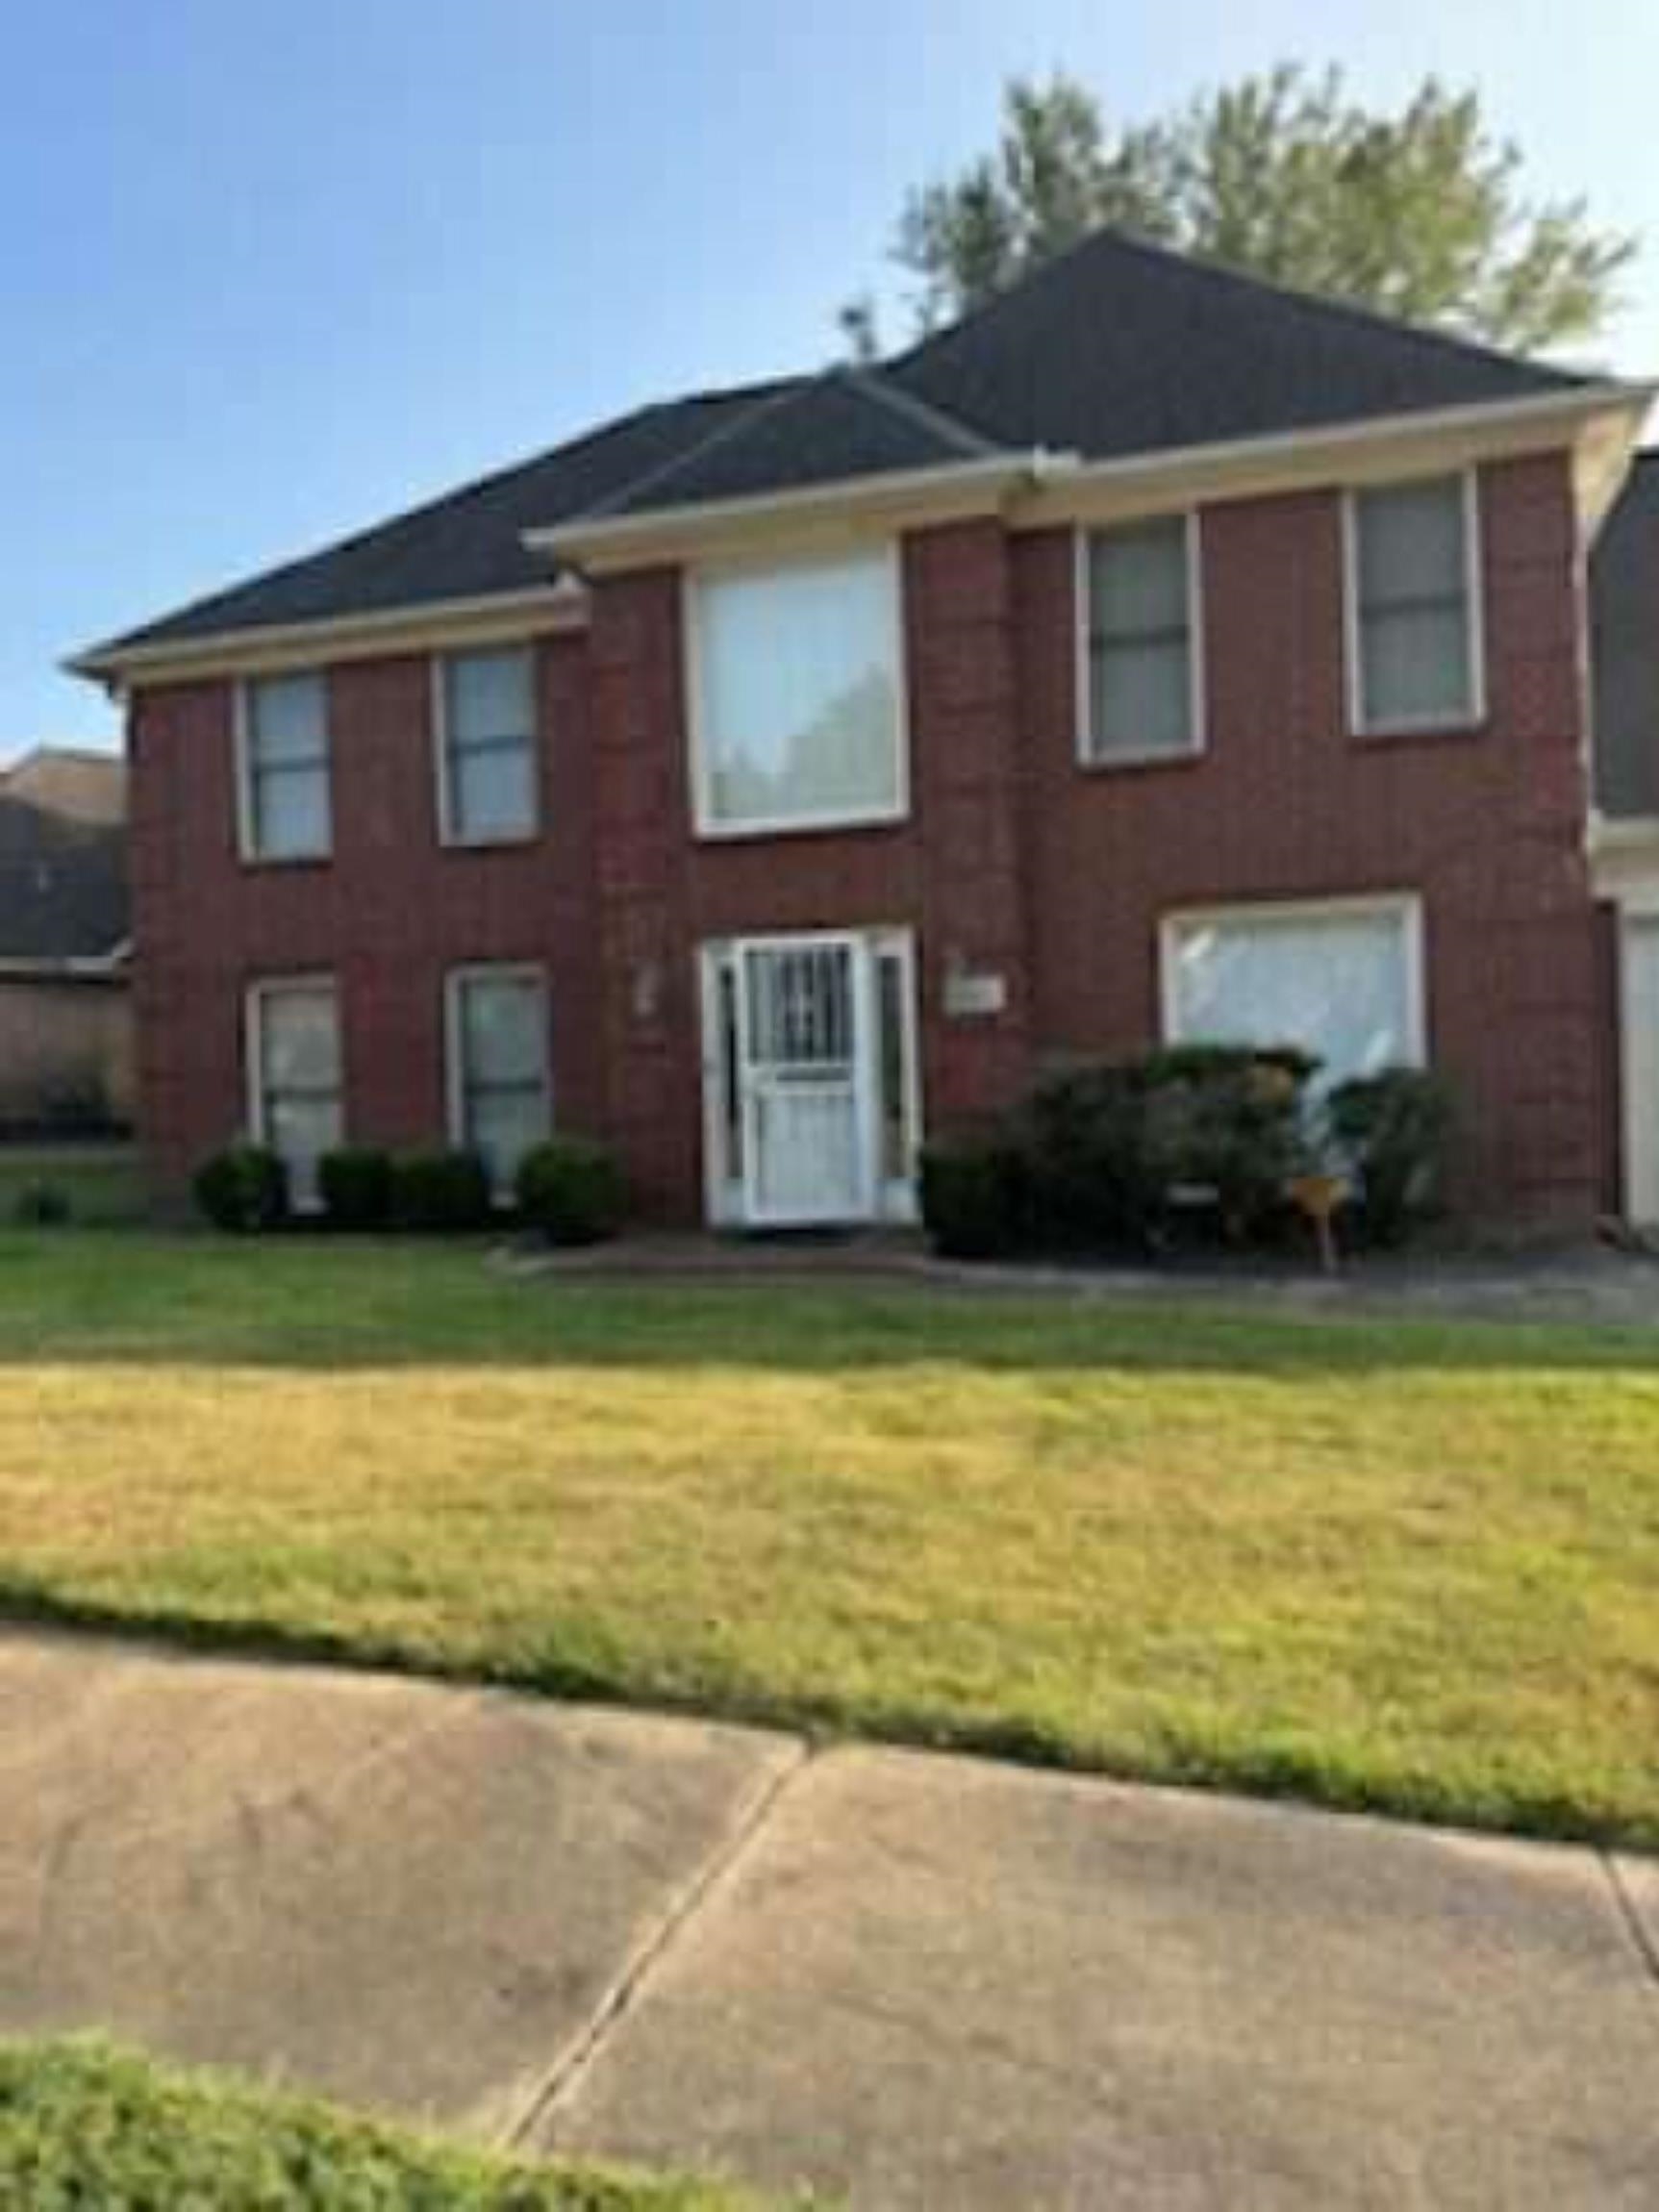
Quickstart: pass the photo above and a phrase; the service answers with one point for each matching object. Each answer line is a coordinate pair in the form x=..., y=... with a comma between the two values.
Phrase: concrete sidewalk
x=913, y=1980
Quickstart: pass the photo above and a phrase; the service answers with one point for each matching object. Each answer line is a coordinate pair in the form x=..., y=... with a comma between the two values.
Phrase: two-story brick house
x=772, y=776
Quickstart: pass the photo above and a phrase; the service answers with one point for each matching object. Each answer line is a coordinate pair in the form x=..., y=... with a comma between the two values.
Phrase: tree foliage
x=1419, y=214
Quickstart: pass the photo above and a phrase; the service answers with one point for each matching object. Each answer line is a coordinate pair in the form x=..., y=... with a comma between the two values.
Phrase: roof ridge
x=1204, y=265
x=871, y=382
x=787, y=391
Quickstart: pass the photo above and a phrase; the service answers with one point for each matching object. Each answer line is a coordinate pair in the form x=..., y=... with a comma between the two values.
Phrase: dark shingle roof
x=1116, y=348
x=465, y=544
x=62, y=857
x=1120, y=347
x=1624, y=646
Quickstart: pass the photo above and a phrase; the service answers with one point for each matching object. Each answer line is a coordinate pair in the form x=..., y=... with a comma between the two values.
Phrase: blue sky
x=269, y=271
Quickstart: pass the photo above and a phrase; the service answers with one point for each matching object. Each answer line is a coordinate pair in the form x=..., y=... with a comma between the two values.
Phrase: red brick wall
x=386, y=914
x=1012, y=860
x=1486, y=825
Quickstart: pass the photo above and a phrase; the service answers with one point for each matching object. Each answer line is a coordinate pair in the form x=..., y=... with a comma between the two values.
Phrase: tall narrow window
x=501, y=1097
x=296, y=1077
x=1141, y=689
x=1414, y=612
x=285, y=785
x=488, y=791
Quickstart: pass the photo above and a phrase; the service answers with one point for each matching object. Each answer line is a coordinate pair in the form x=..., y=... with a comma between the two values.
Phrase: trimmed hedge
x=571, y=1190
x=1393, y=1131
x=243, y=1188
x=356, y=1182
x=445, y=1192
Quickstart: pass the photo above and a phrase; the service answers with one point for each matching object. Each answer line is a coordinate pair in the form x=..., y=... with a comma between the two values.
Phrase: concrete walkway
x=917, y=1982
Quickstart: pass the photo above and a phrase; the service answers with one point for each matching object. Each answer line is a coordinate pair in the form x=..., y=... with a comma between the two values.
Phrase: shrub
x=445, y=1192
x=356, y=1185
x=1227, y=1121
x=43, y=1206
x=976, y=1196
x=1093, y=1185
x=243, y=1188
x=1391, y=1130
x=570, y=1190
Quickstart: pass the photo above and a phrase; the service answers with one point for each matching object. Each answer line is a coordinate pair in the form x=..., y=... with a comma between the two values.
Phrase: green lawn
x=85, y=2126
x=1412, y=1565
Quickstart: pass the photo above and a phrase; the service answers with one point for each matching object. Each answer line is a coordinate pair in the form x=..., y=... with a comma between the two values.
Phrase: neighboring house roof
x=1116, y=348
x=1624, y=647
x=62, y=859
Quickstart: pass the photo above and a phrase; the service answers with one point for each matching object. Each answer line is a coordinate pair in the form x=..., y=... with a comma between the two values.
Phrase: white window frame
x=449, y=833
x=1474, y=714
x=1401, y=906
x=1198, y=720
x=455, y=982
x=693, y=582
x=248, y=848
x=254, y=999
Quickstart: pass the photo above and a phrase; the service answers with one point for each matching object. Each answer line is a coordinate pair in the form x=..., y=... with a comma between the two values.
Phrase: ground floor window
x=500, y=1090
x=294, y=1077
x=1342, y=979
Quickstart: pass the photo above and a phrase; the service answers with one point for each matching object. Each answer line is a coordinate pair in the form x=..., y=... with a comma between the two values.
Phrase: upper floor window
x=797, y=694
x=486, y=746
x=294, y=1077
x=1414, y=605
x=500, y=1096
x=1143, y=682
x=284, y=780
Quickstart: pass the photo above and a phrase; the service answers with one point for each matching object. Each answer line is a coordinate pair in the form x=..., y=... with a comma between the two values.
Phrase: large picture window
x=284, y=769
x=1344, y=981
x=797, y=694
x=1414, y=605
x=487, y=720
x=1140, y=693
x=500, y=1096
x=295, y=1077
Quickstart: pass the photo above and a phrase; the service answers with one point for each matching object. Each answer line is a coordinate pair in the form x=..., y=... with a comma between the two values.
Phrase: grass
x=102, y=1182
x=1403, y=1564
x=82, y=2123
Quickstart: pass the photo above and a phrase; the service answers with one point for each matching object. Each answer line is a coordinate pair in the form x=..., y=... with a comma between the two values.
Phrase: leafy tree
x=1419, y=214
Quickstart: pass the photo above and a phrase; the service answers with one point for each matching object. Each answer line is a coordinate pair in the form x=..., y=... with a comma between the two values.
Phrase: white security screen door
x=802, y=1083
x=810, y=1087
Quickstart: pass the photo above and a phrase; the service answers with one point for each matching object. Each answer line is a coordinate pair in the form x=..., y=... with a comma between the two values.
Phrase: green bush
x=571, y=1190
x=1092, y=1184
x=1392, y=1131
x=243, y=1188
x=356, y=1185
x=1226, y=1124
x=446, y=1192
x=43, y=1206
x=976, y=1196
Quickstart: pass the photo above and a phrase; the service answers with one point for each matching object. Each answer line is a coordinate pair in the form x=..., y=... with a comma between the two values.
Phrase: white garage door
x=1641, y=966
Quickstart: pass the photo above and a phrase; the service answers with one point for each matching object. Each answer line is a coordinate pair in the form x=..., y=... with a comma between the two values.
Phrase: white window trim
x=692, y=582
x=449, y=835
x=1404, y=906
x=1474, y=715
x=455, y=982
x=249, y=850
x=1198, y=720
x=254, y=998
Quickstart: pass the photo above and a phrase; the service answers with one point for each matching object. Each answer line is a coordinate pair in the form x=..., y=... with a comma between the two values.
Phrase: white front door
x=1641, y=1026
x=810, y=1078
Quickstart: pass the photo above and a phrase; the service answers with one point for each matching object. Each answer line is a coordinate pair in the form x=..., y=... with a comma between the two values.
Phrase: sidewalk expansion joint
x=573, y=2066
x=1635, y=1927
